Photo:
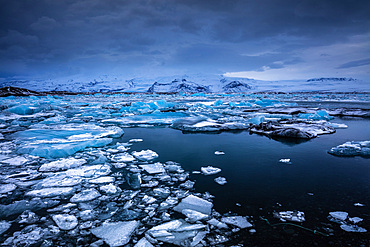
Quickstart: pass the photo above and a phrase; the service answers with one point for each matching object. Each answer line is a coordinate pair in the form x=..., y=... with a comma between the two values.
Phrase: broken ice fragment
x=177, y=232
x=153, y=168
x=4, y=226
x=210, y=170
x=135, y=140
x=219, y=153
x=62, y=164
x=187, y=185
x=339, y=216
x=145, y=155
x=60, y=181
x=217, y=223
x=238, y=221
x=85, y=195
x=65, y=221
x=102, y=180
x=124, y=157
x=220, y=180
x=143, y=243
x=358, y=204
x=16, y=161
x=5, y=188
x=193, y=215
x=110, y=189
x=51, y=192
x=194, y=203
x=295, y=216
x=285, y=161
x=355, y=220
x=352, y=228
x=116, y=234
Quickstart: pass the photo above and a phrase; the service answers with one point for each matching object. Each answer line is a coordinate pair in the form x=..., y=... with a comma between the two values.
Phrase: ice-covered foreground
x=64, y=178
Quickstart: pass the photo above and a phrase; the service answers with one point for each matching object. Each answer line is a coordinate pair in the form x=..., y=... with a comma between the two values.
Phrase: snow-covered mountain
x=188, y=83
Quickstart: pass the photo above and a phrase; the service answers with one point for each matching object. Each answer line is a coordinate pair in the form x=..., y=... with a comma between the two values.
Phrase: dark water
x=257, y=181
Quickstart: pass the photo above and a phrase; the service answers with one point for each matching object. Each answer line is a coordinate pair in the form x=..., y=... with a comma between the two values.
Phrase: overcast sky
x=263, y=39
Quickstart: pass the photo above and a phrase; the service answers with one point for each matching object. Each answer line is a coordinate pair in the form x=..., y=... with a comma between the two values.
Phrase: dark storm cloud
x=216, y=35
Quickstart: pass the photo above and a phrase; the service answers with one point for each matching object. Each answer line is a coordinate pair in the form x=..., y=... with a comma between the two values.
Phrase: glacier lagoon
x=92, y=167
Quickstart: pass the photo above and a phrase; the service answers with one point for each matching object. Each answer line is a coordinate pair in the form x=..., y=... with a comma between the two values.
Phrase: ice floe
x=353, y=148
x=210, y=170
x=220, y=180
x=65, y=221
x=153, y=168
x=145, y=155
x=62, y=164
x=85, y=195
x=238, y=221
x=116, y=233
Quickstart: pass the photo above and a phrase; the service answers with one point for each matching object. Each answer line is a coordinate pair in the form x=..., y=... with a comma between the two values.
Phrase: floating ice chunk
x=145, y=155
x=319, y=115
x=16, y=161
x=193, y=215
x=153, y=168
x=187, y=185
x=217, y=223
x=93, y=171
x=210, y=170
x=339, y=216
x=51, y=192
x=220, y=180
x=336, y=125
x=19, y=207
x=62, y=164
x=124, y=157
x=4, y=226
x=60, y=181
x=134, y=180
x=358, y=204
x=178, y=232
x=148, y=199
x=194, y=203
x=285, y=161
x=5, y=188
x=355, y=220
x=143, y=243
x=135, y=140
x=65, y=221
x=219, y=153
x=102, y=180
x=238, y=221
x=23, y=110
x=353, y=148
x=110, y=189
x=295, y=216
x=116, y=234
x=352, y=228
x=85, y=195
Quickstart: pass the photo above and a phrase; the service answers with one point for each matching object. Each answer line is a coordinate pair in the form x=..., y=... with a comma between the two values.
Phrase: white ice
x=220, y=180
x=62, y=164
x=153, y=168
x=194, y=203
x=85, y=195
x=65, y=221
x=145, y=155
x=210, y=170
x=116, y=233
x=238, y=221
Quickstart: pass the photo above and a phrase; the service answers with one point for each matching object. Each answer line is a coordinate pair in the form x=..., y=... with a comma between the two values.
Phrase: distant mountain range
x=190, y=83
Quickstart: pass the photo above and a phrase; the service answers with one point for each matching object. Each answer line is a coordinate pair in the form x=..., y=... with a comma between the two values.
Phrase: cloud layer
x=65, y=38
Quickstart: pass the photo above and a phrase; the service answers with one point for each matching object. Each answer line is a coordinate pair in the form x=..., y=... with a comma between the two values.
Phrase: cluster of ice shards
x=93, y=197
x=347, y=224
x=353, y=148
x=295, y=216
